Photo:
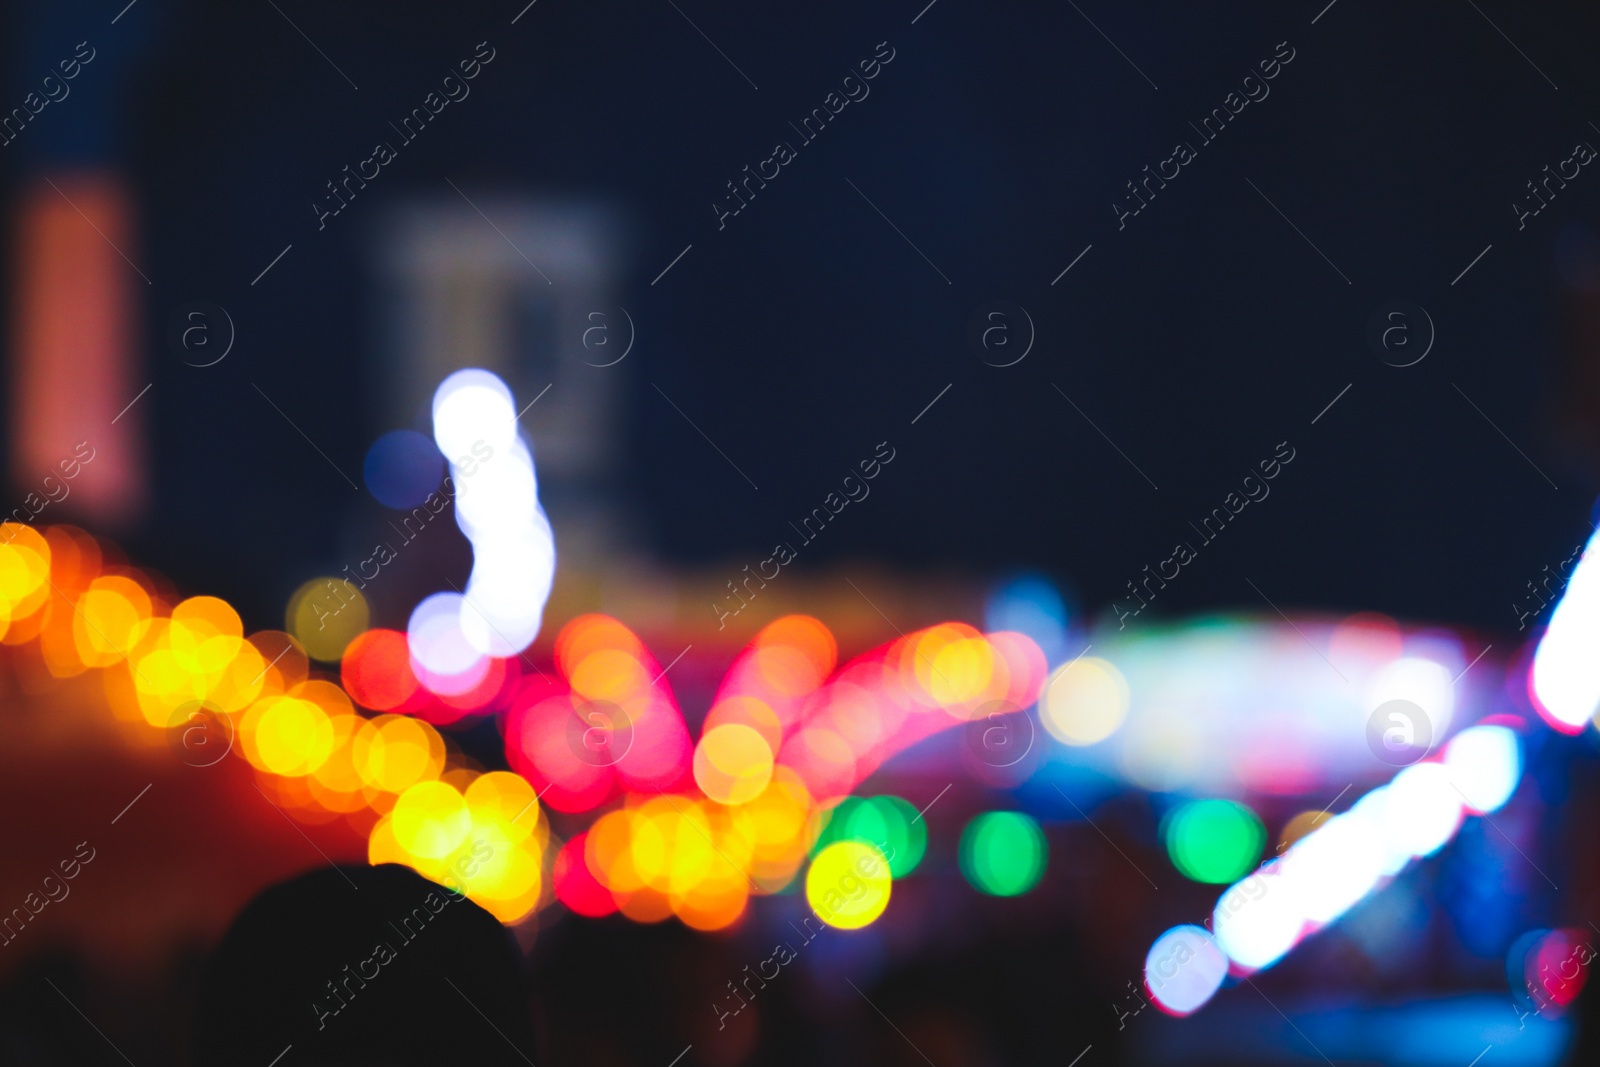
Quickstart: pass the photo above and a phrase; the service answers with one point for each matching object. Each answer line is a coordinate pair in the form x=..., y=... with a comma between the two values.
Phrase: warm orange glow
x=73, y=358
x=288, y=736
x=112, y=615
x=952, y=664
x=592, y=633
x=393, y=753
x=732, y=763
x=377, y=670
x=693, y=830
x=806, y=635
x=747, y=711
x=430, y=820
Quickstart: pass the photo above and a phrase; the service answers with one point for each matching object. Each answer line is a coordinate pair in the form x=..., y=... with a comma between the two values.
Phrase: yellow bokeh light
x=589, y=633
x=752, y=712
x=335, y=785
x=325, y=615
x=732, y=763
x=650, y=842
x=206, y=617
x=112, y=614
x=505, y=801
x=713, y=902
x=382, y=846
x=501, y=869
x=169, y=661
x=179, y=661
x=848, y=884
x=772, y=832
x=430, y=820
x=24, y=562
x=608, y=851
x=24, y=578
x=963, y=670
x=204, y=635
x=698, y=854
x=393, y=753
x=241, y=681
x=805, y=635
x=777, y=818
x=608, y=674
x=691, y=853
x=1084, y=702
x=950, y=663
x=325, y=695
x=288, y=736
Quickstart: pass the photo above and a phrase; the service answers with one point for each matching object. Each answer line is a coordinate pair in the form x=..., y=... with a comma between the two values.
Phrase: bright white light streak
x=1259, y=919
x=1484, y=763
x=1322, y=876
x=1566, y=669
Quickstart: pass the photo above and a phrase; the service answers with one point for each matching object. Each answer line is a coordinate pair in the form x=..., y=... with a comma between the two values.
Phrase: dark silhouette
x=364, y=965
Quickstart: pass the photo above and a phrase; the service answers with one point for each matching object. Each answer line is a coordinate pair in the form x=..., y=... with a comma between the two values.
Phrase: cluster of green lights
x=1214, y=841
x=888, y=823
x=1003, y=853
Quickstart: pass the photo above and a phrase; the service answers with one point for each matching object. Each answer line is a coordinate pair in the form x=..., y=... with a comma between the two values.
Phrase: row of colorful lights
x=786, y=738
x=688, y=828
x=186, y=666
x=691, y=829
x=695, y=829
x=752, y=815
x=750, y=819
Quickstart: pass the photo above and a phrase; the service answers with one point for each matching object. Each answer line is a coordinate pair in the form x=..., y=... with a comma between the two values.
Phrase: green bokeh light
x=888, y=822
x=1214, y=841
x=1003, y=853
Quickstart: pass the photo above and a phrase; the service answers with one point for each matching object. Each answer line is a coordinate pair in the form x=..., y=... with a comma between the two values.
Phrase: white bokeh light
x=1183, y=969
x=1485, y=762
x=1424, y=809
x=1424, y=683
x=497, y=508
x=441, y=656
x=471, y=406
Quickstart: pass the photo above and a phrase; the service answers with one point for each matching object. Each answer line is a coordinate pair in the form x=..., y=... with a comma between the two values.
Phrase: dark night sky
x=1197, y=338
